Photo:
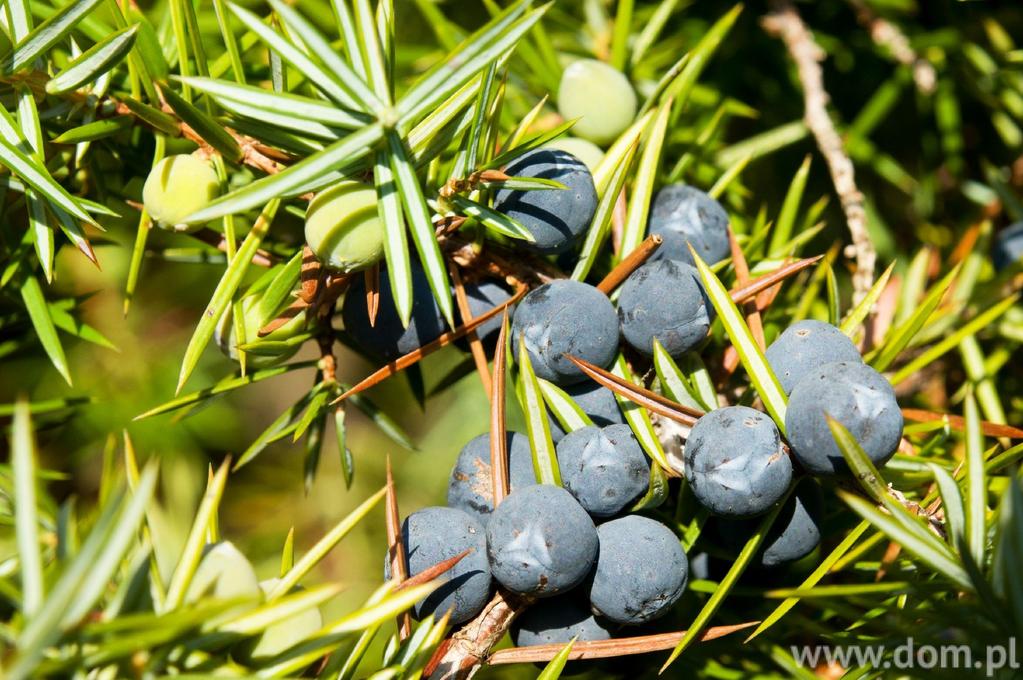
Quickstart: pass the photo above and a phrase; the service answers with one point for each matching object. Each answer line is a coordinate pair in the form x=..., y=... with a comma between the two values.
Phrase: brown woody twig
x=785, y=23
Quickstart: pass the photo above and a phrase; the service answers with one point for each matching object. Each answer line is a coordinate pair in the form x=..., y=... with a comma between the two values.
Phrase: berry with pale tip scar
x=806, y=346
x=734, y=462
x=856, y=396
x=604, y=468
x=541, y=542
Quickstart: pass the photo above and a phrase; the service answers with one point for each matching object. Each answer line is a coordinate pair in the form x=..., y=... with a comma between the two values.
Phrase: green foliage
x=288, y=99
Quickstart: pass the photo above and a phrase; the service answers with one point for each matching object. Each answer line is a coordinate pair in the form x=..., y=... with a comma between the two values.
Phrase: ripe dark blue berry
x=387, y=339
x=596, y=401
x=556, y=621
x=566, y=317
x=641, y=571
x=855, y=395
x=1008, y=246
x=483, y=296
x=793, y=535
x=434, y=534
x=471, y=485
x=735, y=464
x=664, y=300
x=540, y=541
x=604, y=468
x=805, y=346
x=556, y=218
x=682, y=214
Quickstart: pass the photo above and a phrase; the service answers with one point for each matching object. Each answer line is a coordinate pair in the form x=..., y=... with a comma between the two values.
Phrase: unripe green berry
x=223, y=572
x=176, y=187
x=254, y=317
x=343, y=228
x=586, y=151
x=600, y=96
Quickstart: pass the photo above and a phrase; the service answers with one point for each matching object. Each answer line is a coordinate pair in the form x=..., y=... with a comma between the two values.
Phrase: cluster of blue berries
x=575, y=549
x=663, y=300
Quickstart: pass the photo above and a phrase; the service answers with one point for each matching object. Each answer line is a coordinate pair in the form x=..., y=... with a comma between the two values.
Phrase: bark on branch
x=785, y=23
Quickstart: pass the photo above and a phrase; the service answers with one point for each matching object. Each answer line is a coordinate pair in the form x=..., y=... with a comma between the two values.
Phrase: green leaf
x=983, y=320
x=898, y=338
x=656, y=493
x=95, y=130
x=952, y=505
x=790, y=208
x=742, y=560
x=852, y=321
x=976, y=483
x=813, y=579
x=569, y=414
x=212, y=132
x=306, y=175
x=545, y=459
x=634, y=230
x=383, y=421
x=323, y=546
x=93, y=63
x=226, y=385
x=158, y=119
x=491, y=219
x=304, y=109
x=39, y=314
x=600, y=227
x=673, y=381
x=749, y=351
x=49, y=33
x=834, y=313
x=68, y=323
x=553, y=669
x=638, y=418
x=534, y=142
x=938, y=560
x=346, y=89
x=491, y=41
x=261, y=618
x=274, y=431
x=39, y=179
x=423, y=235
x=85, y=579
x=191, y=553
x=389, y=208
x=225, y=291
x=26, y=519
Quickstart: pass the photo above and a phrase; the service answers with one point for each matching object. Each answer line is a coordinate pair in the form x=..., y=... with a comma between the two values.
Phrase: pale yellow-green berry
x=223, y=572
x=586, y=151
x=343, y=228
x=284, y=634
x=600, y=96
x=254, y=318
x=176, y=187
